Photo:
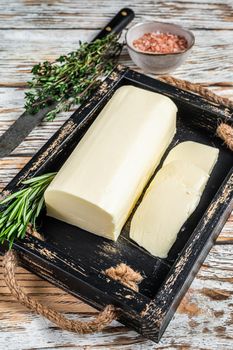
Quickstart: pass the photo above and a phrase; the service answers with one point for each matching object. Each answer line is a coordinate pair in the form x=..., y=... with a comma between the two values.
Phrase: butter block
x=99, y=184
x=193, y=177
x=170, y=199
x=158, y=219
x=201, y=155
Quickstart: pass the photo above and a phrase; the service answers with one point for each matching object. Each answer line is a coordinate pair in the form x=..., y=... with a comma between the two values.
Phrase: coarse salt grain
x=160, y=43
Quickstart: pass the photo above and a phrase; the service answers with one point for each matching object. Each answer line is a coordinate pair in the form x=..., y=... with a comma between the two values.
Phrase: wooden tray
x=75, y=260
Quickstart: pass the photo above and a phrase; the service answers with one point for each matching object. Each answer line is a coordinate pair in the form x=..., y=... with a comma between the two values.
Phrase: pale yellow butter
x=172, y=197
x=99, y=184
x=191, y=176
x=200, y=155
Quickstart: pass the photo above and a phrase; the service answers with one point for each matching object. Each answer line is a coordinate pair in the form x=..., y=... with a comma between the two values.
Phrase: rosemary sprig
x=22, y=208
x=67, y=81
x=71, y=78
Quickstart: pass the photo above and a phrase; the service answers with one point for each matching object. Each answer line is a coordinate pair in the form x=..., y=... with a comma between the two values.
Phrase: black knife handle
x=118, y=23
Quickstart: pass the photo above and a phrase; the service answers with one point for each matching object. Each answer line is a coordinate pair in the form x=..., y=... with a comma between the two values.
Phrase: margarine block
x=193, y=177
x=162, y=212
x=100, y=182
x=201, y=155
x=172, y=197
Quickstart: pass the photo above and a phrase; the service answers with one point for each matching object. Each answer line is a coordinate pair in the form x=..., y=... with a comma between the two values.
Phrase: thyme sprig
x=67, y=81
x=71, y=78
x=22, y=208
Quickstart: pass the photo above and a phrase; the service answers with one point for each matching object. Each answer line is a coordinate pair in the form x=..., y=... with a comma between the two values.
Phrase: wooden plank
x=210, y=63
x=21, y=49
x=89, y=14
x=16, y=71
x=209, y=298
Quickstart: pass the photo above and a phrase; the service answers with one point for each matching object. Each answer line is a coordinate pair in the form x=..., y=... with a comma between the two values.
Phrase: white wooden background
x=36, y=30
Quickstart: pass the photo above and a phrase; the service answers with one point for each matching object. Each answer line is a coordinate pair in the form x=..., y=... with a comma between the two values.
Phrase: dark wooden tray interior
x=97, y=251
x=197, y=121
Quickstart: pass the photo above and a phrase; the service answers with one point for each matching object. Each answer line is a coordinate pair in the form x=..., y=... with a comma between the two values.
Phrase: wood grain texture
x=25, y=47
x=33, y=14
x=31, y=31
x=203, y=320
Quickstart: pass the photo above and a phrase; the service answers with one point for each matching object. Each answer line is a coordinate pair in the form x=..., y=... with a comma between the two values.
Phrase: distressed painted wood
x=69, y=14
x=203, y=320
x=36, y=45
x=32, y=31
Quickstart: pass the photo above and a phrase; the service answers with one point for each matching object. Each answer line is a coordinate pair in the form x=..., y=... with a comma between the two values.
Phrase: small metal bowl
x=155, y=62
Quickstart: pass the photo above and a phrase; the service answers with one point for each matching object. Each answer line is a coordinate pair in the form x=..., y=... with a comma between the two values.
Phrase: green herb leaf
x=71, y=78
x=21, y=208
